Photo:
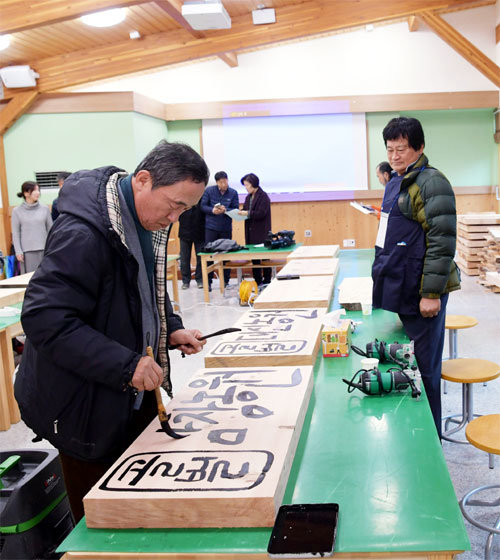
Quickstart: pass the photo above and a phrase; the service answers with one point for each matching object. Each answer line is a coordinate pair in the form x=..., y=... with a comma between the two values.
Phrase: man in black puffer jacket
x=96, y=302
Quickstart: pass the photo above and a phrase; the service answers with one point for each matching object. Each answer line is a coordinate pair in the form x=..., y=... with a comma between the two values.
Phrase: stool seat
x=459, y=322
x=484, y=433
x=469, y=370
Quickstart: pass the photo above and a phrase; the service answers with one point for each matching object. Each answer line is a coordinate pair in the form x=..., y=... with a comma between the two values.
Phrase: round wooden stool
x=452, y=324
x=466, y=371
x=484, y=433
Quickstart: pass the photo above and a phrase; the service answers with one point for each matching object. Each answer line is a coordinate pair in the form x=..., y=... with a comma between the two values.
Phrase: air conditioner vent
x=47, y=179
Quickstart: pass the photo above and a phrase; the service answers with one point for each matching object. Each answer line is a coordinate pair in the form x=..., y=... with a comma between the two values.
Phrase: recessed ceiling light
x=106, y=18
x=134, y=35
x=4, y=42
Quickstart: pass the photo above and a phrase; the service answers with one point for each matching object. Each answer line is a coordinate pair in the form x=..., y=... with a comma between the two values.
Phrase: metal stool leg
x=492, y=530
x=464, y=418
x=452, y=351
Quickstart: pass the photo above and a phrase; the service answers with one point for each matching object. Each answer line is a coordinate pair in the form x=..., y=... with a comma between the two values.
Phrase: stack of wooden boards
x=242, y=416
x=478, y=247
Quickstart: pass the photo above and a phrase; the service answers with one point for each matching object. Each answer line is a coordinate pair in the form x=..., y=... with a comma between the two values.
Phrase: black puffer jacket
x=82, y=318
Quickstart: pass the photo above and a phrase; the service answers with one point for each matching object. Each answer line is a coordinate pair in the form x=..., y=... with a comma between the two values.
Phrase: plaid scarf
x=160, y=242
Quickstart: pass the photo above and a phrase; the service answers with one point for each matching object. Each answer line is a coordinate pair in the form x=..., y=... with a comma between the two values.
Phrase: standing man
x=191, y=232
x=96, y=302
x=383, y=171
x=216, y=201
x=61, y=177
x=414, y=271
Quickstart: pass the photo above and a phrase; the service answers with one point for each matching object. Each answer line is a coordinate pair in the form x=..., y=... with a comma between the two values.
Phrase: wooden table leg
x=8, y=367
x=175, y=285
x=204, y=277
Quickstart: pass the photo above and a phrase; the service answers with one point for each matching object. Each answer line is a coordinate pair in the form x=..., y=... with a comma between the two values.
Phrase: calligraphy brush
x=216, y=333
x=162, y=413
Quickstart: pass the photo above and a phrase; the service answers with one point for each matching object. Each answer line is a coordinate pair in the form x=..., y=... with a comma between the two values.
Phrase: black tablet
x=304, y=531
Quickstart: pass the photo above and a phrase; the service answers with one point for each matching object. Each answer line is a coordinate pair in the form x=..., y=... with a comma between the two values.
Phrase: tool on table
x=162, y=413
x=401, y=354
x=283, y=238
x=205, y=336
x=376, y=382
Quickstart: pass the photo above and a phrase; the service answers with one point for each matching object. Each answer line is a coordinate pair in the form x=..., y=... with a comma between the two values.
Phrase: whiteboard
x=299, y=154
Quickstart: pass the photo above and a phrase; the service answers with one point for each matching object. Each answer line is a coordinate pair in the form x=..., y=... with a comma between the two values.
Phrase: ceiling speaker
x=206, y=15
x=18, y=76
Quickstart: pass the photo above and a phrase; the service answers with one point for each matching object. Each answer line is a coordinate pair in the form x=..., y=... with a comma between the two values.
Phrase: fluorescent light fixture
x=134, y=35
x=106, y=18
x=4, y=42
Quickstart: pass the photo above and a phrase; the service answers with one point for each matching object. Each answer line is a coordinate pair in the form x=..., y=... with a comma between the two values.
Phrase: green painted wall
x=72, y=141
x=375, y=123
x=187, y=132
x=148, y=131
x=458, y=142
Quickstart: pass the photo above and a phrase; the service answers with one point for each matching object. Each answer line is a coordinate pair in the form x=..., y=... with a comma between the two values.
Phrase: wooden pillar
x=5, y=233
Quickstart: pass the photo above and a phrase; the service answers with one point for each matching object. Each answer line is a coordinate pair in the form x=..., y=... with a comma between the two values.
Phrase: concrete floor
x=468, y=466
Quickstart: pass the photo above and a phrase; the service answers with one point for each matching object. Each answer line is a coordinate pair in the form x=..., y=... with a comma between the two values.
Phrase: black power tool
x=401, y=354
x=376, y=382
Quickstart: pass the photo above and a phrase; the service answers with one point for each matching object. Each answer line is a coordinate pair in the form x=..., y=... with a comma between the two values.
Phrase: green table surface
x=6, y=322
x=379, y=458
x=259, y=249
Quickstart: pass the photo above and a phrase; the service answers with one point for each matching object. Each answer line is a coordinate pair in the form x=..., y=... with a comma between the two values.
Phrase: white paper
x=382, y=230
x=361, y=208
x=235, y=216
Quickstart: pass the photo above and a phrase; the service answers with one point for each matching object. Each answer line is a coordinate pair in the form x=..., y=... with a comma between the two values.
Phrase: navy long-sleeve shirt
x=212, y=196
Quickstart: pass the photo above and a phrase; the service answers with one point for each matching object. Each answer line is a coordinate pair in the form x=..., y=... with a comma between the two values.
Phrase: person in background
x=96, y=303
x=31, y=223
x=413, y=271
x=216, y=201
x=383, y=172
x=257, y=208
x=61, y=177
x=191, y=232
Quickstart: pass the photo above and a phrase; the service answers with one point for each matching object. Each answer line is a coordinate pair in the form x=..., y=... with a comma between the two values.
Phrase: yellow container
x=336, y=341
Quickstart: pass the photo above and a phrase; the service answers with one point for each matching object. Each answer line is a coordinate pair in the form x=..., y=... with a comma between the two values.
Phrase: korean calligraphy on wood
x=270, y=337
x=242, y=427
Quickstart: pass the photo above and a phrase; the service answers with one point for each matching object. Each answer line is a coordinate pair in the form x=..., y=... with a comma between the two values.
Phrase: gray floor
x=468, y=466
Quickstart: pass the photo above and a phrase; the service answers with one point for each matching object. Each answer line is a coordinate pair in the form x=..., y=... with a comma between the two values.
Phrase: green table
x=378, y=457
x=239, y=260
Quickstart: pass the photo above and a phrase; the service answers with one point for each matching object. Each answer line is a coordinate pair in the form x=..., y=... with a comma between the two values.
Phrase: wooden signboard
x=307, y=291
x=314, y=252
x=354, y=291
x=20, y=281
x=242, y=427
x=479, y=219
x=310, y=267
x=270, y=337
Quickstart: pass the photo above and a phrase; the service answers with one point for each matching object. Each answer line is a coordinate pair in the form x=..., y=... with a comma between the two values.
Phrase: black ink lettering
x=225, y=471
x=167, y=468
x=141, y=471
x=255, y=411
x=217, y=436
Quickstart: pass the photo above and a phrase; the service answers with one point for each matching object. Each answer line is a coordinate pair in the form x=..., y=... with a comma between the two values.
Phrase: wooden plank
x=310, y=267
x=354, y=291
x=472, y=229
x=20, y=281
x=473, y=243
x=242, y=427
x=17, y=16
x=474, y=235
x=308, y=291
x=488, y=218
x=270, y=337
x=10, y=296
x=314, y=252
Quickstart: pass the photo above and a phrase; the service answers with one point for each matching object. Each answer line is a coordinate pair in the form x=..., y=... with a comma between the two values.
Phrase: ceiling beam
x=18, y=15
x=174, y=9
x=19, y=104
x=412, y=24
x=463, y=47
x=163, y=49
